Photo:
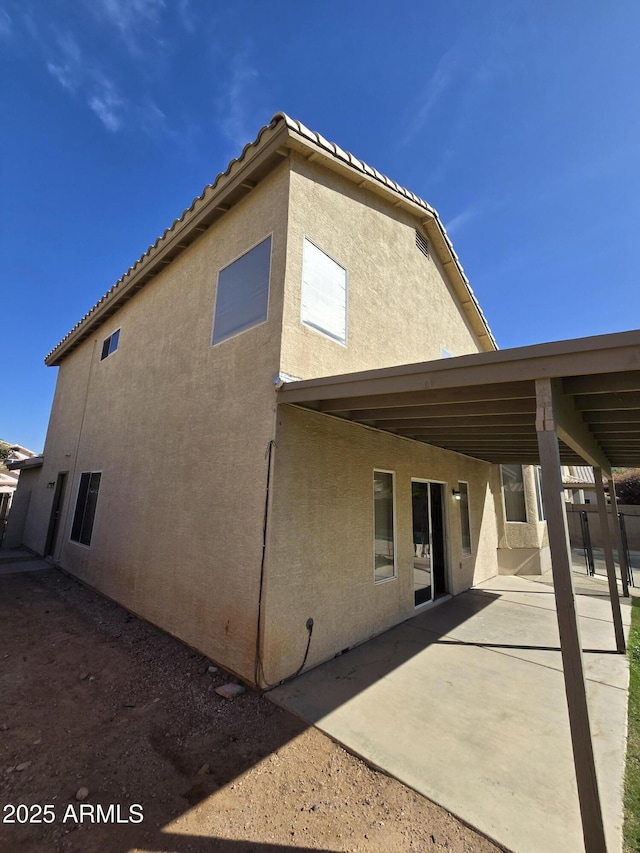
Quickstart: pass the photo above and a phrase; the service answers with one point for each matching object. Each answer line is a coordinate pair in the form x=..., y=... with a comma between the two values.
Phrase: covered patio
x=561, y=403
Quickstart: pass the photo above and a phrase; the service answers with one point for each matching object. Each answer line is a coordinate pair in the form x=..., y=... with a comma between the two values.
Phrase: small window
x=422, y=244
x=324, y=293
x=465, y=524
x=384, y=534
x=513, y=491
x=85, y=508
x=539, y=498
x=110, y=344
x=242, y=296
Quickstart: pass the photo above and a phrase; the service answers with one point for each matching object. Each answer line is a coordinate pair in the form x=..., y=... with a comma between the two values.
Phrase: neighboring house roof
x=9, y=479
x=578, y=475
x=20, y=452
x=258, y=158
x=21, y=464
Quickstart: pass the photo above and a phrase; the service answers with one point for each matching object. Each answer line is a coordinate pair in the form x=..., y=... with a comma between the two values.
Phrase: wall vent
x=422, y=244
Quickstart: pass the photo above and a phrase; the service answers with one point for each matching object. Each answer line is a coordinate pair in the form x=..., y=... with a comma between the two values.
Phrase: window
x=85, y=508
x=110, y=344
x=513, y=491
x=539, y=499
x=465, y=524
x=324, y=293
x=384, y=526
x=242, y=297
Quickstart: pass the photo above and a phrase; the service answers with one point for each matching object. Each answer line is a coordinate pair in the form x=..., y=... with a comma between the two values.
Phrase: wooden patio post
x=573, y=670
x=605, y=533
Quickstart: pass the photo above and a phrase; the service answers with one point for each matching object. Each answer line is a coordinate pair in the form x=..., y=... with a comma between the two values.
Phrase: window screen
x=513, y=490
x=85, y=508
x=243, y=293
x=324, y=293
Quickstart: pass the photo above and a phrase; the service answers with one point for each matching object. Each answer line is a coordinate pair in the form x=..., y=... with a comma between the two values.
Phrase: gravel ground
x=113, y=737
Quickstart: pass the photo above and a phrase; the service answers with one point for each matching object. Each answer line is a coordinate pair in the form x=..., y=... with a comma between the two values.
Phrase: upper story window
x=324, y=293
x=242, y=297
x=513, y=491
x=110, y=344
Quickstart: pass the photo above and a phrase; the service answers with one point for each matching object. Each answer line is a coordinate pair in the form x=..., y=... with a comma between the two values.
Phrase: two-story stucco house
x=291, y=534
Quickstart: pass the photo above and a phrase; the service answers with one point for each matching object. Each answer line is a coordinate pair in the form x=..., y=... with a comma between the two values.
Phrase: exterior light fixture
x=51, y=484
x=456, y=494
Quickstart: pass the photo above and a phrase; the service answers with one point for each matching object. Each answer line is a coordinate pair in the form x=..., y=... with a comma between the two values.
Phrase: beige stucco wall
x=179, y=430
x=523, y=547
x=18, y=514
x=320, y=546
x=400, y=306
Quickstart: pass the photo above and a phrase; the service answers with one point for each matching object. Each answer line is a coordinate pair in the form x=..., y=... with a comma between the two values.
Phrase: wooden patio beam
x=602, y=383
x=430, y=396
x=607, y=402
x=463, y=410
x=568, y=424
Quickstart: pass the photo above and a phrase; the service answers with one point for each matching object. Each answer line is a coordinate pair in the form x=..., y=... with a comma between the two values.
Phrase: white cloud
x=107, y=105
x=129, y=16
x=6, y=29
x=233, y=103
x=460, y=219
x=63, y=75
x=69, y=70
x=441, y=80
x=187, y=18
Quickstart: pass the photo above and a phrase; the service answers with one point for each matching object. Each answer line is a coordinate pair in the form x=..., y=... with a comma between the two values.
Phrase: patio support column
x=605, y=533
x=622, y=554
x=573, y=670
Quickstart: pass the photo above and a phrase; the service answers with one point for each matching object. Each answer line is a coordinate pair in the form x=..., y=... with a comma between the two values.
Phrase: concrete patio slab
x=589, y=591
x=465, y=703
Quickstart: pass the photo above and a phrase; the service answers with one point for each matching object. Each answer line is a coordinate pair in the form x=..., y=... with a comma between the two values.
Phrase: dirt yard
x=92, y=698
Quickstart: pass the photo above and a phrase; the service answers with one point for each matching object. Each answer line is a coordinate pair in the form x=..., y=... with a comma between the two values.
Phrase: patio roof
x=561, y=403
x=484, y=405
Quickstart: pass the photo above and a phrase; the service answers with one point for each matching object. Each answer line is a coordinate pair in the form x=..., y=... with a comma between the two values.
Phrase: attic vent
x=422, y=244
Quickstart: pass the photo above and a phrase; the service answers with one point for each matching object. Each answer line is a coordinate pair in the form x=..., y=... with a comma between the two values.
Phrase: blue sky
x=518, y=121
